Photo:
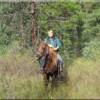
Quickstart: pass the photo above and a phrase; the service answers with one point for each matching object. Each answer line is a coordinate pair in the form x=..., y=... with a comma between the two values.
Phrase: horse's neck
x=52, y=52
x=52, y=55
x=51, y=60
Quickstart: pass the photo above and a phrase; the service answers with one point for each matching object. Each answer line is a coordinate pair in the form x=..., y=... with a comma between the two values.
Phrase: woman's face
x=50, y=33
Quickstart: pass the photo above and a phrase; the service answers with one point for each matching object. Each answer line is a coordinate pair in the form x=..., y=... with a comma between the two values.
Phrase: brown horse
x=50, y=69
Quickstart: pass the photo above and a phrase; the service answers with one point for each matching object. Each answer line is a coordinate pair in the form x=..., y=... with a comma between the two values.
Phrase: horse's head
x=41, y=50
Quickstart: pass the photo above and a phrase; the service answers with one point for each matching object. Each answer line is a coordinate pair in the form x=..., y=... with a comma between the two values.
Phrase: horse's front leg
x=54, y=79
x=46, y=80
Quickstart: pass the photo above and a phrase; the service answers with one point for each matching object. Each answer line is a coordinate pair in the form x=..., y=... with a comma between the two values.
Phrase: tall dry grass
x=19, y=79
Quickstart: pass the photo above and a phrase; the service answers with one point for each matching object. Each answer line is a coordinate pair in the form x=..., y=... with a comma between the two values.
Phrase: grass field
x=19, y=78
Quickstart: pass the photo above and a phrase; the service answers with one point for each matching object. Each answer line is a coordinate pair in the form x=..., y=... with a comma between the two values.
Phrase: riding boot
x=42, y=63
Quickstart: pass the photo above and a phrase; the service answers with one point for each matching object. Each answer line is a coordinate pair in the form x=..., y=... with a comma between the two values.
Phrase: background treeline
x=76, y=24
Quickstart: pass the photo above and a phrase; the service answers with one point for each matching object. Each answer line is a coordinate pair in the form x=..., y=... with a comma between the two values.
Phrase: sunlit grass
x=84, y=79
x=19, y=79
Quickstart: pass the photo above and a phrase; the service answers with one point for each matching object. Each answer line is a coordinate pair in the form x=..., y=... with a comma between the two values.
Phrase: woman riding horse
x=51, y=68
x=54, y=43
x=50, y=61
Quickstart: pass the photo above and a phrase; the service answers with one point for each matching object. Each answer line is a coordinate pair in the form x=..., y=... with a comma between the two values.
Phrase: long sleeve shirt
x=54, y=41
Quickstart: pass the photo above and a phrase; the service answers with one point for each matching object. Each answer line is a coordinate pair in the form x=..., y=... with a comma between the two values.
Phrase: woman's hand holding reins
x=50, y=45
x=55, y=49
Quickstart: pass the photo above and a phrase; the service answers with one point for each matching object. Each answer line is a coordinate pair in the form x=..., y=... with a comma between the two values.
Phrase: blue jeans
x=60, y=61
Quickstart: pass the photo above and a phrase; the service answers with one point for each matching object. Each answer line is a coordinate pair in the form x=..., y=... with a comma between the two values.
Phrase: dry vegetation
x=19, y=78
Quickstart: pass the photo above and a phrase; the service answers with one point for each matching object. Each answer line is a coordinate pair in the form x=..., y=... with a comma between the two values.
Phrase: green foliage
x=91, y=26
x=14, y=23
x=3, y=49
x=75, y=22
x=92, y=50
x=91, y=34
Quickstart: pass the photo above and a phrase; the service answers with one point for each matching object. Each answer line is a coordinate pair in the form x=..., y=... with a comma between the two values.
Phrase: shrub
x=92, y=50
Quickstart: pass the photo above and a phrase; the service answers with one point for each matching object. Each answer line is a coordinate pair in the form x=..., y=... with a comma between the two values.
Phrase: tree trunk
x=33, y=12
